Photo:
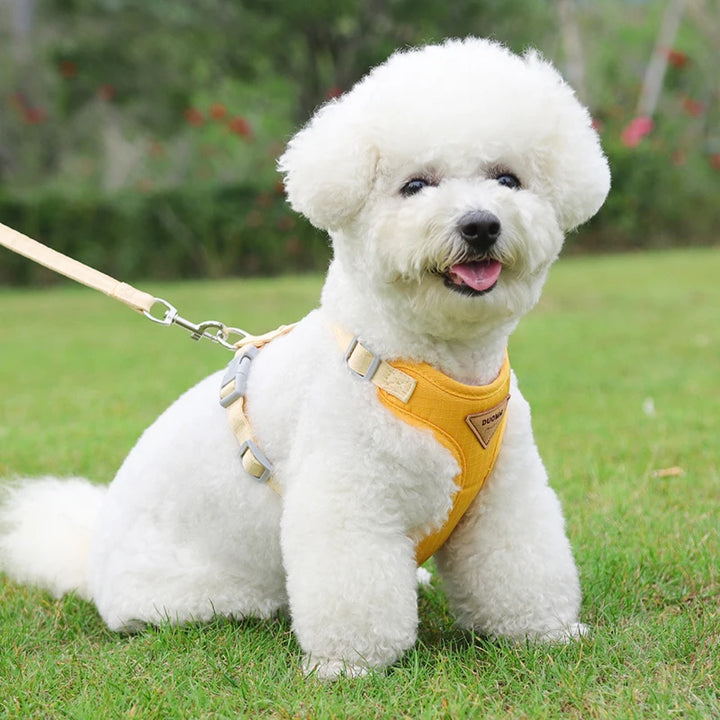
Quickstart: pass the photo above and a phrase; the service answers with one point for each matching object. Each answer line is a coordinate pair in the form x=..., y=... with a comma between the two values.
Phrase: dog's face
x=468, y=240
x=448, y=177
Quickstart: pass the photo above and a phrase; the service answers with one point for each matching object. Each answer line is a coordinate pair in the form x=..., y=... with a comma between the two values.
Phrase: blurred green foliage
x=187, y=232
x=155, y=116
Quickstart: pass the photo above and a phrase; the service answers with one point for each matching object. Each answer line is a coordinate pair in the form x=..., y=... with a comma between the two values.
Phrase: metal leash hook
x=197, y=330
x=127, y=294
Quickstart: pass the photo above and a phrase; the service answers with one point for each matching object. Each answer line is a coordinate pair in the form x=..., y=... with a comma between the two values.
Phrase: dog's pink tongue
x=479, y=275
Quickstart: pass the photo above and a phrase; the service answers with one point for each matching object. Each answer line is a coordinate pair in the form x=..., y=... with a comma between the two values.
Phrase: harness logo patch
x=485, y=424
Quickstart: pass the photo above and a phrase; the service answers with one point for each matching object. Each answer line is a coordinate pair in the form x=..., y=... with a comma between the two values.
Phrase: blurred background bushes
x=141, y=135
x=184, y=232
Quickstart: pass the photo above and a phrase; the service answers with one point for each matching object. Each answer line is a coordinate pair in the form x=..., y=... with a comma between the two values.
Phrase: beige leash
x=132, y=297
x=59, y=263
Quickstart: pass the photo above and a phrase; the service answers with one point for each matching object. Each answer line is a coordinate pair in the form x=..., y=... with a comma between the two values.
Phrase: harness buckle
x=374, y=363
x=238, y=369
x=257, y=457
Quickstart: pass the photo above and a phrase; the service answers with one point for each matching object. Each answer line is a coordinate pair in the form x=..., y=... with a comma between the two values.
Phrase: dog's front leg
x=508, y=568
x=351, y=580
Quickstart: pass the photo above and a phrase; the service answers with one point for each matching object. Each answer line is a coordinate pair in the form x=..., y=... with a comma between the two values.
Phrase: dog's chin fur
x=183, y=534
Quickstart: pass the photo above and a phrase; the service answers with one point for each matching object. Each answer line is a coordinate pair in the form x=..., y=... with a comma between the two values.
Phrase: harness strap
x=370, y=367
x=232, y=398
x=260, y=341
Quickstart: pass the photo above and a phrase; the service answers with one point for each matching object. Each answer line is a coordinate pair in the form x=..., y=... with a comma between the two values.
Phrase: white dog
x=446, y=180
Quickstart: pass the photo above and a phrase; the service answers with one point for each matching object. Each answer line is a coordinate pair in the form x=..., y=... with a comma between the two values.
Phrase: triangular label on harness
x=485, y=424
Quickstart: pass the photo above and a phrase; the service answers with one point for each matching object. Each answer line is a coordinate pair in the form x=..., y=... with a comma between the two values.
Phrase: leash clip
x=198, y=330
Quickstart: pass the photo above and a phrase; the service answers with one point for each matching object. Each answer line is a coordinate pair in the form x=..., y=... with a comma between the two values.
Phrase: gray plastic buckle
x=238, y=369
x=249, y=445
x=373, y=364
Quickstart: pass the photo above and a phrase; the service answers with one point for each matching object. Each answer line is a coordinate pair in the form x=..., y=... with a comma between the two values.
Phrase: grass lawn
x=621, y=362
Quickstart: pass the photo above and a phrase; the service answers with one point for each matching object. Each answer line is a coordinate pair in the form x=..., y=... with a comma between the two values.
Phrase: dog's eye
x=508, y=180
x=414, y=186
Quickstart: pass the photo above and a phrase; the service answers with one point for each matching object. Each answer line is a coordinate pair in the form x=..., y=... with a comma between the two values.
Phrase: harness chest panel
x=468, y=420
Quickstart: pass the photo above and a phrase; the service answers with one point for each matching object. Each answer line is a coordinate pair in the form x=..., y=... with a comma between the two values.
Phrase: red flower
x=715, y=161
x=636, y=130
x=677, y=58
x=218, y=111
x=240, y=126
x=194, y=117
x=106, y=92
x=693, y=107
x=68, y=69
x=35, y=116
x=333, y=92
x=679, y=157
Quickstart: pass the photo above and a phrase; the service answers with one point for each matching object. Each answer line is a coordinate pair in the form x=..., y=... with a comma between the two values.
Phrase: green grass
x=621, y=362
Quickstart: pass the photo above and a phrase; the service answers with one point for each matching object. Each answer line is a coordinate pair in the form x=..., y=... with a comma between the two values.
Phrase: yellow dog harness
x=468, y=420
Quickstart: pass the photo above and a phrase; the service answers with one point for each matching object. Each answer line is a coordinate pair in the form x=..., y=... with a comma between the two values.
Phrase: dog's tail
x=45, y=529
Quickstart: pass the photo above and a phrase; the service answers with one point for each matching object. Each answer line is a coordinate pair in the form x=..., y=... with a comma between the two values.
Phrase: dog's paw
x=424, y=577
x=332, y=668
x=564, y=635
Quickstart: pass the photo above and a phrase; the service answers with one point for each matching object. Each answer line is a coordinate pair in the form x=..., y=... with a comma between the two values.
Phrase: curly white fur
x=183, y=534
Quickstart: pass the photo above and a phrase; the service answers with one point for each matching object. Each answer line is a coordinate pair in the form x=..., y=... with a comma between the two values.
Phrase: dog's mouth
x=474, y=278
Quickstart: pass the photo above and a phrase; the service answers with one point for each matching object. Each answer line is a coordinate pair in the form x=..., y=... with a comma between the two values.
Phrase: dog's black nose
x=480, y=229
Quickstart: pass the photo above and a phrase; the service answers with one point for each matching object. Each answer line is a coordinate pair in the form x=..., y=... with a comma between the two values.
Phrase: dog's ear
x=578, y=173
x=587, y=181
x=329, y=166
